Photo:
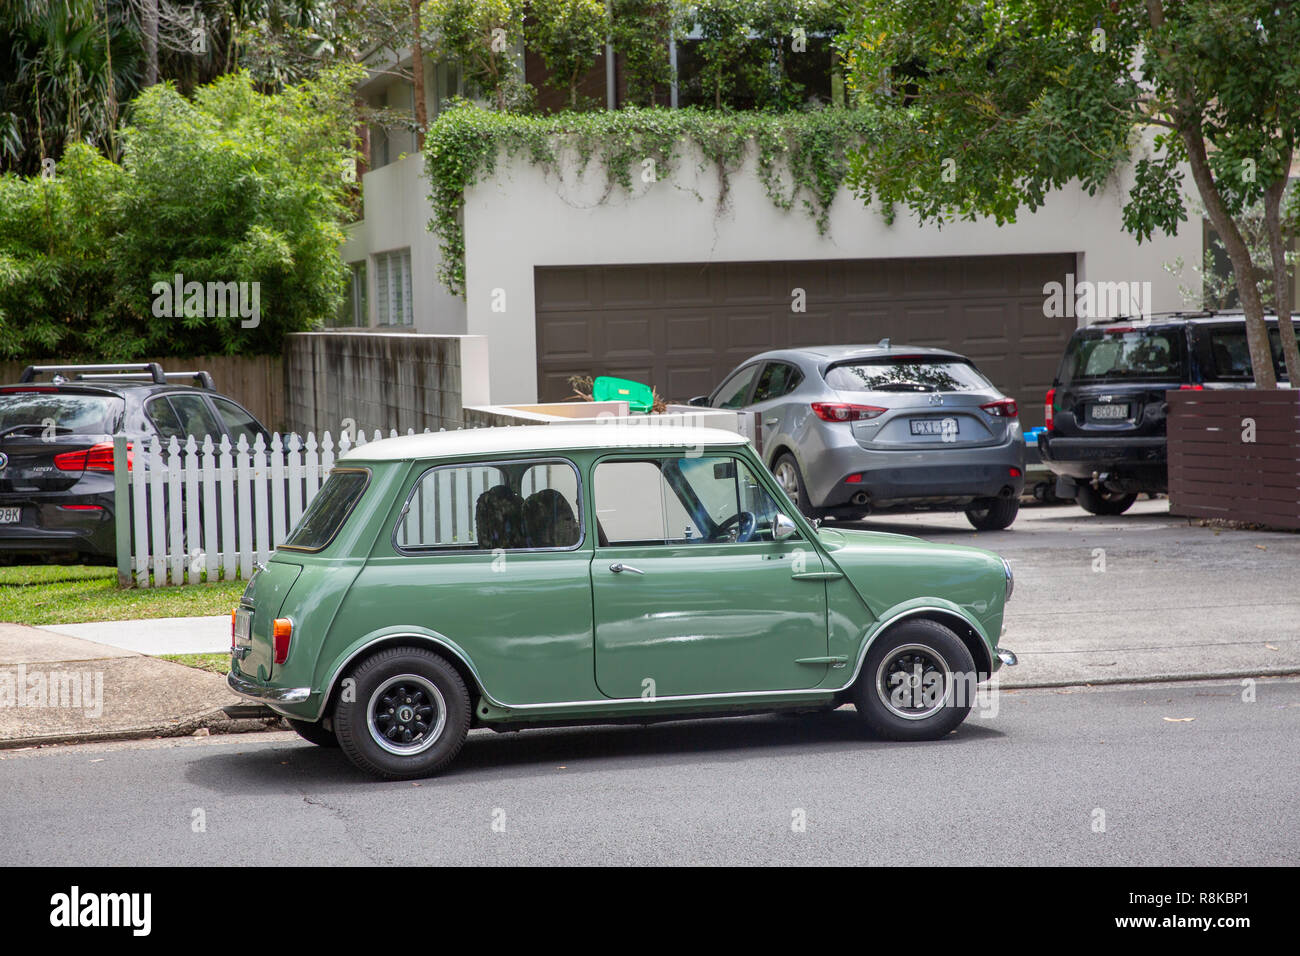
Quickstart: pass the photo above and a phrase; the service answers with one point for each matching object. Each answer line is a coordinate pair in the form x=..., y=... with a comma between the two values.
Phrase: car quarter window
x=733, y=392
x=675, y=501
x=778, y=378
x=164, y=419
x=486, y=506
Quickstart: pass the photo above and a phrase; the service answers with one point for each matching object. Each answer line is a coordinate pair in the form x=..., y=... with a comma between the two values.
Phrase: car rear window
x=67, y=412
x=1124, y=354
x=907, y=374
x=328, y=510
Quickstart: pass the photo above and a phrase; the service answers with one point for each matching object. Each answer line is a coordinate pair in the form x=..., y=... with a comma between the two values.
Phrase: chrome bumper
x=1008, y=657
x=282, y=695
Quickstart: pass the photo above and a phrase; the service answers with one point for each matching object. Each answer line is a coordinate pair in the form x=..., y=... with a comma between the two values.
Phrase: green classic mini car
x=567, y=574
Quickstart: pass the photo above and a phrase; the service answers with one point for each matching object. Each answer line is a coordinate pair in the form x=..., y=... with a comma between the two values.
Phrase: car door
x=775, y=382
x=734, y=391
x=689, y=595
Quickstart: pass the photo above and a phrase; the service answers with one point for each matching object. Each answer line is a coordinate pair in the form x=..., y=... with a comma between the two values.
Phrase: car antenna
x=884, y=343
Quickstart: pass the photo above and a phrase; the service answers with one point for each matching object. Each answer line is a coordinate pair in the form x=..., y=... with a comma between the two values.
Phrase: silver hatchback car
x=851, y=429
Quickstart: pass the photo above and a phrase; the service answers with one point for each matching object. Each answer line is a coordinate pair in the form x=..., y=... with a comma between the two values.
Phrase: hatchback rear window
x=328, y=510
x=907, y=374
x=68, y=413
x=1124, y=354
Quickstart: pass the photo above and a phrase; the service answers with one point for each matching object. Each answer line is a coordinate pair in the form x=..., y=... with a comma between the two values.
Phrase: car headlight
x=1011, y=578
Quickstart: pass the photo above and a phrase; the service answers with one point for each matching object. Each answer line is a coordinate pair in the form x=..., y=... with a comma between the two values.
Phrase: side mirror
x=699, y=400
x=783, y=527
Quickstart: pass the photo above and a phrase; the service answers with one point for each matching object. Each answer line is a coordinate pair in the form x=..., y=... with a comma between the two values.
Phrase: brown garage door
x=682, y=327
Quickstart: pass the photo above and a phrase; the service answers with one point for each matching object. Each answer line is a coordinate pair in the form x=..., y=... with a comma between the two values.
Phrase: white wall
x=523, y=218
x=397, y=215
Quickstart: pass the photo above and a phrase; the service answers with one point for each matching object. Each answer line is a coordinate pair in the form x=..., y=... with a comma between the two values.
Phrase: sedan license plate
x=1109, y=412
x=243, y=626
x=934, y=426
x=10, y=515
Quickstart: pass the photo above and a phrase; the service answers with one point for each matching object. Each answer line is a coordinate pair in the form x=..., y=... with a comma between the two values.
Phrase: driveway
x=1142, y=596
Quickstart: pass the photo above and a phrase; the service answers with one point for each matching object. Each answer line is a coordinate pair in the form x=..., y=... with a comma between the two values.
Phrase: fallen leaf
x=1179, y=720
x=1270, y=647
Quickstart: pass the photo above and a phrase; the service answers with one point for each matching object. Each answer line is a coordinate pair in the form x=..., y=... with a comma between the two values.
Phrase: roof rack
x=126, y=372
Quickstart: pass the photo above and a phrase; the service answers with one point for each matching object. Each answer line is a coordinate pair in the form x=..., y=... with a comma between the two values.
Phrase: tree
x=568, y=35
x=989, y=106
x=482, y=36
x=640, y=31
x=235, y=187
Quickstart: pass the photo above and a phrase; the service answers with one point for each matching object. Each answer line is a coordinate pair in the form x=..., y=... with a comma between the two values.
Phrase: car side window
x=732, y=392
x=493, y=506
x=164, y=419
x=778, y=378
x=238, y=422
x=195, y=417
x=681, y=501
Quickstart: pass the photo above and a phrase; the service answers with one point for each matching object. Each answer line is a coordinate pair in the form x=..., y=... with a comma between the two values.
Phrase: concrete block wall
x=382, y=380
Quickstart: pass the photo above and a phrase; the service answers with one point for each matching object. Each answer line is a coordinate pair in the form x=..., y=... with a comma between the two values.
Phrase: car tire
x=408, y=715
x=1102, y=502
x=934, y=709
x=314, y=732
x=993, y=514
x=786, y=471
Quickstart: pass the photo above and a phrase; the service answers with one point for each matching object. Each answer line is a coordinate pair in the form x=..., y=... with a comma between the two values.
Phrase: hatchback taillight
x=95, y=458
x=282, y=635
x=1049, y=408
x=838, y=412
x=1002, y=408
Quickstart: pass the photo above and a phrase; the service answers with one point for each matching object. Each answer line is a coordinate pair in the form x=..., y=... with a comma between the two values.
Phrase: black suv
x=56, y=449
x=1106, y=410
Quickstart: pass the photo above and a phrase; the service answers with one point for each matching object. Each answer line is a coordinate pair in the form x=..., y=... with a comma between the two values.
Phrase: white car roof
x=532, y=438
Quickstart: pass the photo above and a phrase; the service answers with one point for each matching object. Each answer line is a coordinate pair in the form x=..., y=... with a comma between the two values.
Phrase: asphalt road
x=1153, y=775
x=1140, y=596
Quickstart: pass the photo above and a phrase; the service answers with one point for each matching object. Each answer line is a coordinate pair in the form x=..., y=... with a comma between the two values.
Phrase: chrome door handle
x=770, y=421
x=618, y=567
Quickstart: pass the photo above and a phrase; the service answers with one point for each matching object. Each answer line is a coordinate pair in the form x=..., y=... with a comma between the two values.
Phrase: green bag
x=639, y=398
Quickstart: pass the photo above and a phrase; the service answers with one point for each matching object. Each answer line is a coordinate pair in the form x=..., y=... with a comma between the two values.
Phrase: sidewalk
x=55, y=688
x=164, y=635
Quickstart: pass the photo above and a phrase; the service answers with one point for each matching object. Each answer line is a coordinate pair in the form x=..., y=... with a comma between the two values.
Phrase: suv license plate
x=934, y=426
x=10, y=515
x=1109, y=413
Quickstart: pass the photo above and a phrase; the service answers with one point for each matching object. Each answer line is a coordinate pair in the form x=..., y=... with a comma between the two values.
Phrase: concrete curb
x=1157, y=678
x=215, y=721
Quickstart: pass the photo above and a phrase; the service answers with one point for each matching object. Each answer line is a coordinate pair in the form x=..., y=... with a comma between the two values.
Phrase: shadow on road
x=270, y=769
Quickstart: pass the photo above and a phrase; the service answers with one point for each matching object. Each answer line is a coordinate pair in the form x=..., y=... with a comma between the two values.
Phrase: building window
x=393, y=287
x=352, y=311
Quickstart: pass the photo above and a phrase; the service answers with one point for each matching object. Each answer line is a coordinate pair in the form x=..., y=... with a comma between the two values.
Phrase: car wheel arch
x=967, y=632
x=444, y=648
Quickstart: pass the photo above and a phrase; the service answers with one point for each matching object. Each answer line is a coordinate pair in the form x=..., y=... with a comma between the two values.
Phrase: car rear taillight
x=282, y=633
x=1191, y=388
x=1002, y=408
x=95, y=458
x=839, y=412
x=1049, y=409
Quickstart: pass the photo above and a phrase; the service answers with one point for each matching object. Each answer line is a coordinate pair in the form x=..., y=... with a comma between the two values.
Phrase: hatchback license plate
x=934, y=426
x=1110, y=412
x=10, y=515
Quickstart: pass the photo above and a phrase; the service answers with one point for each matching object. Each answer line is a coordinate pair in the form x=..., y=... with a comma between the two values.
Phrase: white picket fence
x=210, y=511
x=205, y=511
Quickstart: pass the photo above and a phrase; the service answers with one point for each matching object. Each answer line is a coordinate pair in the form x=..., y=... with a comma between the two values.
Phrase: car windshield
x=66, y=412
x=907, y=374
x=1123, y=353
x=328, y=510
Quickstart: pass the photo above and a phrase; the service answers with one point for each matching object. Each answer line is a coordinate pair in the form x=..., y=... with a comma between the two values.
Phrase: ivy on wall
x=800, y=156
